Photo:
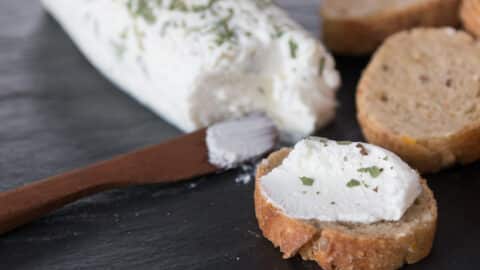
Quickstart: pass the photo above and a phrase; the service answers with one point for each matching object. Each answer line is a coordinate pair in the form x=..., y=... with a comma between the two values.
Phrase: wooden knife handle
x=178, y=159
x=29, y=202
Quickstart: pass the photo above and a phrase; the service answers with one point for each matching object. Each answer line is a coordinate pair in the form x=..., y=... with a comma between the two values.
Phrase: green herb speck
x=200, y=8
x=319, y=139
x=344, y=142
x=307, y=181
x=374, y=171
x=321, y=66
x=141, y=9
x=293, y=48
x=385, y=158
x=178, y=5
x=353, y=183
x=278, y=32
x=225, y=33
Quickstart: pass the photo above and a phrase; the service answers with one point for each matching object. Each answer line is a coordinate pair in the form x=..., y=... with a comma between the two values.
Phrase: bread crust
x=426, y=156
x=470, y=16
x=340, y=249
x=363, y=34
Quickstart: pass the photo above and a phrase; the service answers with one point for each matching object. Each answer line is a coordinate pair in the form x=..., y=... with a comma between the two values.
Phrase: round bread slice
x=420, y=98
x=359, y=26
x=348, y=246
x=470, y=15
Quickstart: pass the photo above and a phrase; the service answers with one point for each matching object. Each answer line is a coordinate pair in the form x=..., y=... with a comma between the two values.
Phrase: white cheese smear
x=197, y=62
x=329, y=180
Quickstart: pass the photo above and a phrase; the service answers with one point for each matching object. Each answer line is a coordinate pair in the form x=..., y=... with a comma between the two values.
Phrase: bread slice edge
x=362, y=35
x=470, y=16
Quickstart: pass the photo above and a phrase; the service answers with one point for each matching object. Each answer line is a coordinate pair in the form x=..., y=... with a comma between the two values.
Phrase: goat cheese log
x=196, y=62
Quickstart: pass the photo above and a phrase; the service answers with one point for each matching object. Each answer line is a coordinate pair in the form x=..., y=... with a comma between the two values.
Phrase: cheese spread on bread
x=196, y=62
x=342, y=181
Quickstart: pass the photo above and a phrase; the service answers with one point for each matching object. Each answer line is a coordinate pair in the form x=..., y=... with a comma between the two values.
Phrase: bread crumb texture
x=420, y=97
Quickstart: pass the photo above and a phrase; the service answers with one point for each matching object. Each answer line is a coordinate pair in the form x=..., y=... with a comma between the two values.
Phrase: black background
x=58, y=113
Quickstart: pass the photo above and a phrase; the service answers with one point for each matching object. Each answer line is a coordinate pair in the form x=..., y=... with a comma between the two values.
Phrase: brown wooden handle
x=178, y=159
x=27, y=203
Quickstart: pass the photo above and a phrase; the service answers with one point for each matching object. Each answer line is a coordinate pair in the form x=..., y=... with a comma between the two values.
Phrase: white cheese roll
x=196, y=62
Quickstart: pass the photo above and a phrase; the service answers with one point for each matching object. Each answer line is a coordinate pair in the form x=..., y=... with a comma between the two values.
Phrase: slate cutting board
x=58, y=113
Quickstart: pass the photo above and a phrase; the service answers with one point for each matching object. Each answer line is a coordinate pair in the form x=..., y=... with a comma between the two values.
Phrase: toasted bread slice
x=345, y=246
x=360, y=26
x=420, y=98
x=470, y=15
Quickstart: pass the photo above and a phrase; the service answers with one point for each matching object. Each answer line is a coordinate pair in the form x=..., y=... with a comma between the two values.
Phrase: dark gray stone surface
x=58, y=113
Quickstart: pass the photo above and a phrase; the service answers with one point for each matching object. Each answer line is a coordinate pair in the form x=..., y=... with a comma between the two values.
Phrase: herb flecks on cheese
x=142, y=9
x=176, y=56
x=307, y=181
x=224, y=32
x=321, y=66
x=215, y=16
x=353, y=183
x=293, y=48
x=374, y=171
x=362, y=191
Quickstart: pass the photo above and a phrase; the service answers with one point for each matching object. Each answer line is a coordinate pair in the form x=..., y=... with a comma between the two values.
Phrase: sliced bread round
x=470, y=15
x=420, y=98
x=348, y=246
x=360, y=26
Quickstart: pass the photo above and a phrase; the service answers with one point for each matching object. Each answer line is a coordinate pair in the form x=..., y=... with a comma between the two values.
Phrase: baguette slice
x=470, y=15
x=420, y=98
x=360, y=26
x=345, y=246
